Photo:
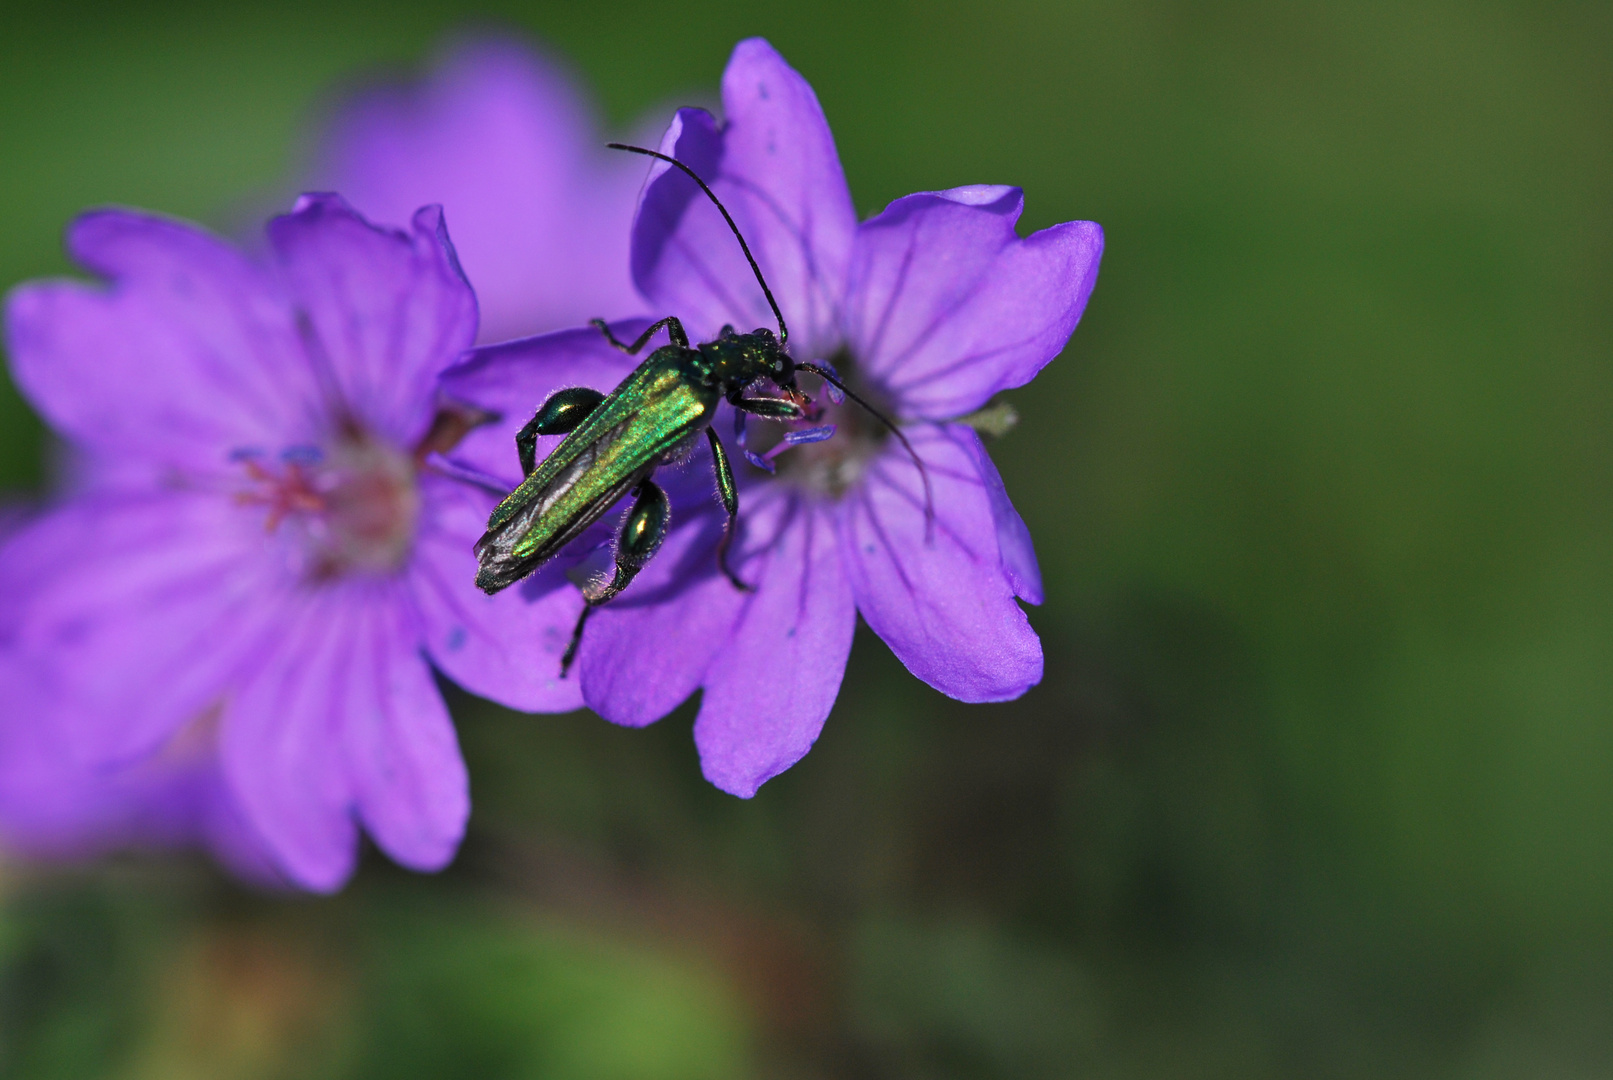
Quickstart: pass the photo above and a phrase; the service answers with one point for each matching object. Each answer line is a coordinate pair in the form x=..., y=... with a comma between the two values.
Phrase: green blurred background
x=1318, y=783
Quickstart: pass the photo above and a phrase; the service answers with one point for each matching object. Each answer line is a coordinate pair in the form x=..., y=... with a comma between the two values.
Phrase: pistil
x=829, y=455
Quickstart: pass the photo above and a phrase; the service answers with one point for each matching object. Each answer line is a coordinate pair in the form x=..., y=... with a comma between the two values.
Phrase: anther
x=792, y=438
x=836, y=395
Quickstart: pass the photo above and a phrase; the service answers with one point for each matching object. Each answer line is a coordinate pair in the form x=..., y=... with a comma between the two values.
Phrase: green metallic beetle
x=614, y=443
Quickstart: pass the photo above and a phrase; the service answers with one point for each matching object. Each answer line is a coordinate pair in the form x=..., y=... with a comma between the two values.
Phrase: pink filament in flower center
x=355, y=502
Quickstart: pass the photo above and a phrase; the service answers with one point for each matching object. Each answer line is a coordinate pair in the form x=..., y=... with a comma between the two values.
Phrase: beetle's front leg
x=560, y=415
x=674, y=332
x=768, y=408
x=642, y=532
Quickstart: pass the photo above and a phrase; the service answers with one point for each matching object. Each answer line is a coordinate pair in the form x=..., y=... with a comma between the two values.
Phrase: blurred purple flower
x=55, y=805
x=929, y=309
x=505, y=143
x=224, y=628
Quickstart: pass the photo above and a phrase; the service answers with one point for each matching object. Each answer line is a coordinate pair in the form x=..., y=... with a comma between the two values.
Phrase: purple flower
x=505, y=143
x=929, y=309
x=230, y=623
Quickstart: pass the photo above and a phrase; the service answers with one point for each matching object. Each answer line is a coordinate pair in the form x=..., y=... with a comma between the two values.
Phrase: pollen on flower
x=284, y=493
x=355, y=503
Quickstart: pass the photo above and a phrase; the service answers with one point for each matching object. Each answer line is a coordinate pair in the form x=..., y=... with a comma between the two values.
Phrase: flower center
x=355, y=502
x=828, y=451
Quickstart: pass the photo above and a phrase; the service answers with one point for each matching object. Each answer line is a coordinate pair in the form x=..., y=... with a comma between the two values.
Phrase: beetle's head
x=741, y=359
x=769, y=356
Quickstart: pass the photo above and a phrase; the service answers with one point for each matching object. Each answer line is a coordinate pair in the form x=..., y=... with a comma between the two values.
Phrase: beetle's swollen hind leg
x=730, y=502
x=642, y=532
x=561, y=414
x=674, y=331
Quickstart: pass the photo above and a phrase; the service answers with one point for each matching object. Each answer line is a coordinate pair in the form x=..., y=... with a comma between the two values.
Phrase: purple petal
x=231, y=837
x=138, y=610
x=281, y=741
x=342, y=719
x=947, y=305
x=187, y=353
x=403, y=761
x=775, y=167
x=501, y=138
x=944, y=605
x=1018, y=553
x=809, y=435
x=384, y=311
x=770, y=689
x=513, y=379
x=505, y=647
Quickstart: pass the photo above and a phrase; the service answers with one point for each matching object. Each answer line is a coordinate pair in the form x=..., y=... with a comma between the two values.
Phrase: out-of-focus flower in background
x=55, y=804
x=229, y=618
x=505, y=142
x=541, y=218
x=928, y=309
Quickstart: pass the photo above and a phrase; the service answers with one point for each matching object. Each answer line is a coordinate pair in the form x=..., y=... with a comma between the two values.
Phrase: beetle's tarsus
x=576, y=640
x=674, y=331
x=722, y=558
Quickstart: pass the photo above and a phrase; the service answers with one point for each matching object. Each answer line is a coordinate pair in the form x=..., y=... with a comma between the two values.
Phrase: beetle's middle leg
x=730, y=502
x=674, y=331
x=642, y=532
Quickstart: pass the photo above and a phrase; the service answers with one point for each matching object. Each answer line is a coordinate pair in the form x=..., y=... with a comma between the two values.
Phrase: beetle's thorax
x=734, y=361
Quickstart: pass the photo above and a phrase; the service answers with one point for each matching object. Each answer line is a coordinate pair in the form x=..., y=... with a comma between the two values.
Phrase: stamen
x=354, y=503
x=836, y=395
x=833, y=379
x=810, y=435
x=791, y=438
x=302, y=455
x=287, y=493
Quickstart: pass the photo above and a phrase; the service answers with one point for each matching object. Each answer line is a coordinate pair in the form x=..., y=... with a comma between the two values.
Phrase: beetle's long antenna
x=783, y=331
x=924, y=474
